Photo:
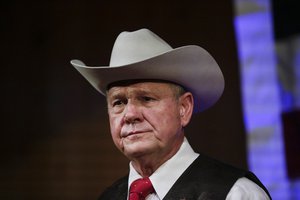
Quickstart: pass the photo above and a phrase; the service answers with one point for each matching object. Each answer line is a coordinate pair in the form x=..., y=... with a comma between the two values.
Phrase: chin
x=137, y=150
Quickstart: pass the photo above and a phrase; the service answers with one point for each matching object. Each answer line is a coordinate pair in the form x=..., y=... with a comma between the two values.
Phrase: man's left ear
x=186, y=108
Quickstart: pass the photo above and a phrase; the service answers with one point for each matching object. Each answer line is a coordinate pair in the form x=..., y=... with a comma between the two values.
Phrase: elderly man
x=152, y=90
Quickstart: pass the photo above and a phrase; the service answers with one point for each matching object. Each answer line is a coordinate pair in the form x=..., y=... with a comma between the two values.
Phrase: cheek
x=166, y=123
x=171, y=114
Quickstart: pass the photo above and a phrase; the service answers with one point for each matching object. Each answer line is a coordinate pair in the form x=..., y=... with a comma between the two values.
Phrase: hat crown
x=136, y=46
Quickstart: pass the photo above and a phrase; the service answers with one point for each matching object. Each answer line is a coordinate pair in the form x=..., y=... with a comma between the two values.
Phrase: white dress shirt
x=166, y=176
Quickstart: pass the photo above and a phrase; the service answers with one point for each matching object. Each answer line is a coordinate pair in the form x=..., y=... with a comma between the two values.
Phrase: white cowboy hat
x=141, y=55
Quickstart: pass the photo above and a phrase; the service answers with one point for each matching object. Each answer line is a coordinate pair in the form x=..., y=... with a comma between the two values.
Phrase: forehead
x=141, y=87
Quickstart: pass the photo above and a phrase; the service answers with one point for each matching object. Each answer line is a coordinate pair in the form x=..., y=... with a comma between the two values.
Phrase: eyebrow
x=115, y=95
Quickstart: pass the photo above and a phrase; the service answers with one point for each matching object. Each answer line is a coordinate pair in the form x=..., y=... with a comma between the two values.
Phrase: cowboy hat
x=141, y=55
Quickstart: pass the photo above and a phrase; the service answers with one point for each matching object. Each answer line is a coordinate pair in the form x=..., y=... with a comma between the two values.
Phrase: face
x=146, y=119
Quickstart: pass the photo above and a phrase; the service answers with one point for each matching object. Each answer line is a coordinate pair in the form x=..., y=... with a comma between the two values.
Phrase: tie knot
x=140, y=189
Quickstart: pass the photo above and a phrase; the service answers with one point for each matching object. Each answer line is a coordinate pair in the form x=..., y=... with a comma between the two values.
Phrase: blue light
x=263, y=97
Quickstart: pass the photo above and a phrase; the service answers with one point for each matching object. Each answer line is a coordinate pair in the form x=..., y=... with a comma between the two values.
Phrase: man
x=152, y=91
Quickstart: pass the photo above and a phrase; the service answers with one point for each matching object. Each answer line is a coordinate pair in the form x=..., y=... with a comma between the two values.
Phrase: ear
x=186, y=102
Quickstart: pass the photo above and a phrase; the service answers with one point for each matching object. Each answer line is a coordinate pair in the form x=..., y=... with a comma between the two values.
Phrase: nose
x=132, y=113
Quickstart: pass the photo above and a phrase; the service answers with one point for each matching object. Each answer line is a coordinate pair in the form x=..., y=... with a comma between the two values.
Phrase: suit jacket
x=204, y=179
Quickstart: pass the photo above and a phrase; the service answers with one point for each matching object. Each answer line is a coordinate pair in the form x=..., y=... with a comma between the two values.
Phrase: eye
x=147, y=98
x=119, y=102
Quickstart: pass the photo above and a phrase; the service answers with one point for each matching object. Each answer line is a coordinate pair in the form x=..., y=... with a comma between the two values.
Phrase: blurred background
x=55, y=139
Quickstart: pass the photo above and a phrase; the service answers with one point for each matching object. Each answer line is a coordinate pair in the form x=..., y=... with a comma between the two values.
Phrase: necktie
x=140, y=189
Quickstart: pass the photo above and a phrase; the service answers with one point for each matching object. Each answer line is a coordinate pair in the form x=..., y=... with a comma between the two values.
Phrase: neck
x=147, y=165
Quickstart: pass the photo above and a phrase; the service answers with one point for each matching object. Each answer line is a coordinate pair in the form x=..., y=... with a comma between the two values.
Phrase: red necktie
x=140, y=189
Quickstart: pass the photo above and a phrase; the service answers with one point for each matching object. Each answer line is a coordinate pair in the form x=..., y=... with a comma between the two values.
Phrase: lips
x=133, y=129
x=134, y=133
x=129, y=133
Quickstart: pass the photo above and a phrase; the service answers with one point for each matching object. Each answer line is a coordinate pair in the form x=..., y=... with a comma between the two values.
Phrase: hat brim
x=190, y=66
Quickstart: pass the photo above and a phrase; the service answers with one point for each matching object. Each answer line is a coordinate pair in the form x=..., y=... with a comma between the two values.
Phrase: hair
x=177, y=89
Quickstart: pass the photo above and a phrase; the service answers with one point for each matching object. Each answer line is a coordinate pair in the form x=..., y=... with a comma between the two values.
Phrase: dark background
x=55, y=140
x=286, y=17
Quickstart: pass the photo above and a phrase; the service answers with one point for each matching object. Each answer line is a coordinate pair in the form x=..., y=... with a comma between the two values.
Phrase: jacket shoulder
x=205, y=178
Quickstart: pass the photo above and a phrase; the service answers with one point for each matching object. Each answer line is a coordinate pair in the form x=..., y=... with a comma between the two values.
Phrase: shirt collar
x=166, y=175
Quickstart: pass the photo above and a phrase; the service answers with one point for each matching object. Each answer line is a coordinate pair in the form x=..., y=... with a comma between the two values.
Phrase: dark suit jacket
x=204, y=179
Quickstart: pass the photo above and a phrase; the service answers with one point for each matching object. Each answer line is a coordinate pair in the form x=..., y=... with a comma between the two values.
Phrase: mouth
x=134, y=130
x=133, y=133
